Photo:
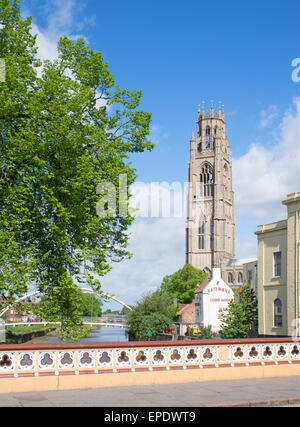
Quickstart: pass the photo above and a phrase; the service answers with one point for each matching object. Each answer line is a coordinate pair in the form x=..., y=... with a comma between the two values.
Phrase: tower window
x=212, y=231
x=201, y=239
x=207, y=137
x=240, y=278
x=201, y=242
x=206, y=181
x=201, y=227
x=230, y=278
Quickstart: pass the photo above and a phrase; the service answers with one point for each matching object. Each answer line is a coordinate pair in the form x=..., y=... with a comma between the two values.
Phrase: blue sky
x=181, y=54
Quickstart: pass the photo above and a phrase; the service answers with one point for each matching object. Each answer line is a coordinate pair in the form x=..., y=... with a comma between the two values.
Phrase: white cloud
x=62, y=20
x=47, y=47
x=159, y=250
x=264, y=176
x=268, y=116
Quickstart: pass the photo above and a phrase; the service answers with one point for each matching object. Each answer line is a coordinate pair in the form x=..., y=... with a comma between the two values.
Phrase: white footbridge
x=101, y=321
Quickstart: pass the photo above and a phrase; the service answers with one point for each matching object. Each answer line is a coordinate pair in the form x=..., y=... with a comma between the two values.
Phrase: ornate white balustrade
x=115, y=358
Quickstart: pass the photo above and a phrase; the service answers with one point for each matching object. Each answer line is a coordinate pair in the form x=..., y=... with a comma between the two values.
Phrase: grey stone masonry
x=210, y=227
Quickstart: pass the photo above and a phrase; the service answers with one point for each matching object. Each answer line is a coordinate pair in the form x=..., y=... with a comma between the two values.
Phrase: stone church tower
x=210, y=229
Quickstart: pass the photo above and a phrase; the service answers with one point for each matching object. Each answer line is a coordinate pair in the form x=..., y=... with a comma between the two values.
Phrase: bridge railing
x=102, y=364
x=104, y=318
x=89, y=322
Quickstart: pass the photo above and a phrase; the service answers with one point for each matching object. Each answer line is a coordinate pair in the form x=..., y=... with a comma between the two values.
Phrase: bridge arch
x=86, y=290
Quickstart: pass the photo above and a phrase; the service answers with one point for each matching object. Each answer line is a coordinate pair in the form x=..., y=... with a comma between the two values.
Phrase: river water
x=102, y=334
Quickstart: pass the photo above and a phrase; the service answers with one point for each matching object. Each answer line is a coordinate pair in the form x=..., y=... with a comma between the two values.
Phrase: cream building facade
x=210, y=227
x=278, y=272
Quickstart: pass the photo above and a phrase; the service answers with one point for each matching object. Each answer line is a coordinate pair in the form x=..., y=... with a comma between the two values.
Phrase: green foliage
x=63, y=132
x=205, y=332
x=182, y=284
x=90, y=306
x=125, y=310
x=241, y=315
x=63, y=304
x=27, y=328
x=154, y=312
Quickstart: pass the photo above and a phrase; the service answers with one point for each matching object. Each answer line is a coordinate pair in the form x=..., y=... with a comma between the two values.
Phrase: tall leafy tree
x=66, y=135
x=18, y=50
x=182, y=284
x=241, y=315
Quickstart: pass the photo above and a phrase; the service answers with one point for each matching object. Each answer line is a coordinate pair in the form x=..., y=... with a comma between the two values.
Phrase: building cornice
x=274, y=226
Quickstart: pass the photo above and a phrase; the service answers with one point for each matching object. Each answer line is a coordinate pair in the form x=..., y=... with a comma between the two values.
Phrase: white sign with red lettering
x=212, y=300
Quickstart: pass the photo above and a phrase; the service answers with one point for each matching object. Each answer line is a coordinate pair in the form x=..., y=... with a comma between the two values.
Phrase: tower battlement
x=210, y=132
x=212, y=113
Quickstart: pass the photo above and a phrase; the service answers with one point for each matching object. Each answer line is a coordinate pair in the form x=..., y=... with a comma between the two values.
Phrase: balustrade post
x=2, y=331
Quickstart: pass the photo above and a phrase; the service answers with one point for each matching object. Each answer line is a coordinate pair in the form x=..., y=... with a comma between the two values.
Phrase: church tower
x=210, y=228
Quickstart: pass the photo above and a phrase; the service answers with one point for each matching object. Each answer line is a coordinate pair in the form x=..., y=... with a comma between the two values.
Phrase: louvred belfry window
x=206, y=181
x=207, y=137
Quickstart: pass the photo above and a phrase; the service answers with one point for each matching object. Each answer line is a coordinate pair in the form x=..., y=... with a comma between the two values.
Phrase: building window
x=240, y=278
x=277, y=313
x=230, y=278
x=277, y=264
x=206, y=181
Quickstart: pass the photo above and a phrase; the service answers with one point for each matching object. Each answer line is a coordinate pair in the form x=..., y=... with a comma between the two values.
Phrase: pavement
x=283, y=391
